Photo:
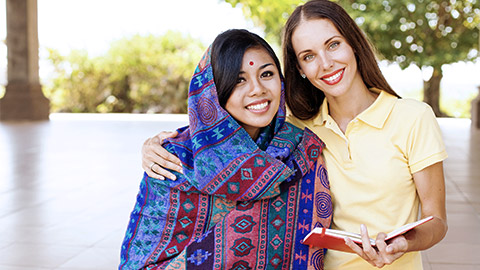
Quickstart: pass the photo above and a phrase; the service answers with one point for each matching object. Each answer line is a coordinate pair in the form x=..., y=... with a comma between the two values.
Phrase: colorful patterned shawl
x=240, y=204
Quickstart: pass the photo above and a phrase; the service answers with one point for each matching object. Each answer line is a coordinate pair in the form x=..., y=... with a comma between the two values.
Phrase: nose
x=256, y=87
x=326, y=61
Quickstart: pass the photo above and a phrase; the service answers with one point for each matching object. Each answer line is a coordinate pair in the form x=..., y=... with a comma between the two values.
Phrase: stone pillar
x=475, y=112
x=24, y=99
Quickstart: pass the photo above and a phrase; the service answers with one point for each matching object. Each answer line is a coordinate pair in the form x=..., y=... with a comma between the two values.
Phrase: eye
x=334, y=44
x=308, y=57
x=240, y=80
x=266, y=74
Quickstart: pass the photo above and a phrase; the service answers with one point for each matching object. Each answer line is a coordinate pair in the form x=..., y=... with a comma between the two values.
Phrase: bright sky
x=93, y=24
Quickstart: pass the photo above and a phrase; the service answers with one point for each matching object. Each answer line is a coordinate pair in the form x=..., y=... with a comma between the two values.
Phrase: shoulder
x=293, y=121
x=302, y=124
x=401, y=113
x=408, y=104
x=408, y=108
x=414, y=119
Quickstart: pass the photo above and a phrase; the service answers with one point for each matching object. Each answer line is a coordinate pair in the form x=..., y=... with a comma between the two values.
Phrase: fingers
x=162, y=173
x=371, y=254
x=364, y=249
x=156, y=159
x=356, y=248
x=152, y=171
x=170, y=160
x=382, y=248
x=380, y=254
x=148, y=163
x=165, y=135
x=164, y=158
x=368, y=250
x=397, y=245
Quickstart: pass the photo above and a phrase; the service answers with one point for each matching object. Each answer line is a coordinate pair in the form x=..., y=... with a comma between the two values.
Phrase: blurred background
x=119, y=56
x=116, y=72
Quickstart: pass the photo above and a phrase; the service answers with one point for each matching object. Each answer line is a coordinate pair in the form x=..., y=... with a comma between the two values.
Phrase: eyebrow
x=261, y=67
x=266, y=65
x=325, y=43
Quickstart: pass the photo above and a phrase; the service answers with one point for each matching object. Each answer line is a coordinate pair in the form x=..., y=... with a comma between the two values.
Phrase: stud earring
x=303, y=75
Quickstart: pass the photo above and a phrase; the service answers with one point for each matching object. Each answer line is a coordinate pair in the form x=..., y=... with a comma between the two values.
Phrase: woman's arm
x=155, y=159
x=430, y=185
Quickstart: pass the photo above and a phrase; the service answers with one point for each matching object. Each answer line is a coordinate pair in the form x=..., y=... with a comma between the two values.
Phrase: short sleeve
x=425, y=142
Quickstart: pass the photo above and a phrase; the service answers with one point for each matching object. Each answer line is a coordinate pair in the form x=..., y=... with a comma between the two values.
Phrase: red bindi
x=251, y=63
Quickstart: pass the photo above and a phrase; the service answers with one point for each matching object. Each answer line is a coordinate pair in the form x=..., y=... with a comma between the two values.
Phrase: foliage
x=427, y=33
x=138, y=74
x=423, y=32
x=271, y=15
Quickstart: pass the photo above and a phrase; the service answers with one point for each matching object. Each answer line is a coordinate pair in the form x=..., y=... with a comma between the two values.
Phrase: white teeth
x=260, y=106
x=334, y=77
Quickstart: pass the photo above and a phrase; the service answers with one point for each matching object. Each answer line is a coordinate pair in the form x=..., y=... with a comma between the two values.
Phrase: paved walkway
x=67, y=187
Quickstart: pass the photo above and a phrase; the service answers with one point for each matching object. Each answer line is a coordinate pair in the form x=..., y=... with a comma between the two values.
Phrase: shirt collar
x=322, y=115
x=376, y=115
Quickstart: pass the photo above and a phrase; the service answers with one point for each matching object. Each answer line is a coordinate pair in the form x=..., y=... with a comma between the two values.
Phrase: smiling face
x=256, y=96
x=326, y=58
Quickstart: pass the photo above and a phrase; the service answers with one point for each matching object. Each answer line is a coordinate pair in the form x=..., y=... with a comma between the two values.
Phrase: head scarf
x=218, y=155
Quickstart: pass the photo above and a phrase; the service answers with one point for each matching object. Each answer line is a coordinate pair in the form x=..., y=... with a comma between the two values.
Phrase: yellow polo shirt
x=370, y=169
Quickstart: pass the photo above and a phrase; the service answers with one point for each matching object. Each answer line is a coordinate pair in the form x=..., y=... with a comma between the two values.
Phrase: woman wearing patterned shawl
x=252, y=185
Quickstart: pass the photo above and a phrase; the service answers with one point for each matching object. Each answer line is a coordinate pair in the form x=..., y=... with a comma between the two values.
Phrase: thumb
x=397, y=246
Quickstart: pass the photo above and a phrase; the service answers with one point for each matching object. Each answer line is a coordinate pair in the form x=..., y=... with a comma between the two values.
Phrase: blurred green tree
x=270, y=15
x=426, y=33
x=137, y=74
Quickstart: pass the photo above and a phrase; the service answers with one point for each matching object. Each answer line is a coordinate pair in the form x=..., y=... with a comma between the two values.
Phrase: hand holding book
x=335, y=239
x=382, y=253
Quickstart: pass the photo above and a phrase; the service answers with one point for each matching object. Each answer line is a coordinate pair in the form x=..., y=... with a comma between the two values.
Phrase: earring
x=303, y=75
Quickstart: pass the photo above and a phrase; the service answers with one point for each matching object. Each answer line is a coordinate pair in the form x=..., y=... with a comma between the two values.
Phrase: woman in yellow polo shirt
x=383, y=154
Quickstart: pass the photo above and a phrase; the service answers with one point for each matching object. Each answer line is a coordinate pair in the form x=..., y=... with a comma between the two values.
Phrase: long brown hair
x=302, y=97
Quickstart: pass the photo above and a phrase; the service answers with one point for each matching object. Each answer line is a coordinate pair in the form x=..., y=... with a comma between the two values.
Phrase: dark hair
x=228, y=49
x=304, y=99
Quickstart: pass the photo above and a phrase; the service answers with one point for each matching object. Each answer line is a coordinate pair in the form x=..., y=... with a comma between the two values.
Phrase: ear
x=300, y=70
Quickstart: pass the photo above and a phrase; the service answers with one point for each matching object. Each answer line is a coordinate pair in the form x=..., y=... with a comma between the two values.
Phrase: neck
x=345, y=108
x=253, y=132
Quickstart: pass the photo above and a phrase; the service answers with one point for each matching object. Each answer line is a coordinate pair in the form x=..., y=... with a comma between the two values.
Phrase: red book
x=334, y=239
